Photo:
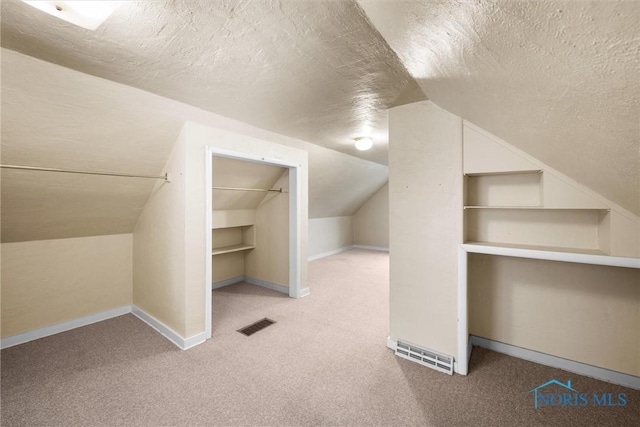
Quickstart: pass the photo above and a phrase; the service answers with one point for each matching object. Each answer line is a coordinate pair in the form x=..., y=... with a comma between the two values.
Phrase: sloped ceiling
x=557, y=79
x=312, y=70
x=57, y=117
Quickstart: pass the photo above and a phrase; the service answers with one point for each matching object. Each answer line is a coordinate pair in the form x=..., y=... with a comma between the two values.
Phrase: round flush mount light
x=363, y=143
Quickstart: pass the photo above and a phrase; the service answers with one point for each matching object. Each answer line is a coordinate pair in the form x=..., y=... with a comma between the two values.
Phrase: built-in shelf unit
x=517, y=207
x=233, y=239
x=507, y=209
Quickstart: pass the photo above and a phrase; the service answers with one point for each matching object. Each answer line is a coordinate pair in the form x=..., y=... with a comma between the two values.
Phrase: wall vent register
x=428, y=358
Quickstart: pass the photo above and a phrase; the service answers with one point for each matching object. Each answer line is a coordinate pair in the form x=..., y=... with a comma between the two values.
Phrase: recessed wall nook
x=518, y=208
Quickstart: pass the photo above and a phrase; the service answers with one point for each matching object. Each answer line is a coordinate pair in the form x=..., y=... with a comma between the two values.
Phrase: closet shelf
x=231, y=249
x=581, y=256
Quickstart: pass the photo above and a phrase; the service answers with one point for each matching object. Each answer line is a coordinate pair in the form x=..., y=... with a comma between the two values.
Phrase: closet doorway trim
x=295, y=188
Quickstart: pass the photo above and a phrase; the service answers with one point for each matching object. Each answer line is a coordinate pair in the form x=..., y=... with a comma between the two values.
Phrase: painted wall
x=159, y=247
x=425, y=224
x=45, y=282
x=327, y=235
x=371, y=222
x=269, y=261
x=103, y=125
x=586, y=313
x=198, y=138
x=580, y=312
x=574, y=216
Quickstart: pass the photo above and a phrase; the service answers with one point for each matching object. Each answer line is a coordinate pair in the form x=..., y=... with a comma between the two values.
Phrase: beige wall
x=198, y=138
x=170, y=241
x=159, y=247
x=371, y=222
x=425, y=224
x=269, y=261
x=45, y=282
x=586, y=313
x=329, y=234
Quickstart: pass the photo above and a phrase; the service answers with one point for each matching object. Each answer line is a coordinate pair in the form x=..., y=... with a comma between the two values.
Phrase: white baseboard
x=603, y=374
x=223, y=283
x=268, y=285
x=329, y=253
x=304, y=292
x=194, y=340
x=167, y=332
x=63, y=327
x=371, y=248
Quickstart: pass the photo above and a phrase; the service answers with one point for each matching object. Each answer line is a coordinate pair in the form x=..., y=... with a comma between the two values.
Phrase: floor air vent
x=429, y=358
x=255, y=327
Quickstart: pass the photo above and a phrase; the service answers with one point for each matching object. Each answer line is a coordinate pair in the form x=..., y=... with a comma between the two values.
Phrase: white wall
x=371, y=222
x=425, y=224
x=329, y=235
x=45, y=282
x=170, y=248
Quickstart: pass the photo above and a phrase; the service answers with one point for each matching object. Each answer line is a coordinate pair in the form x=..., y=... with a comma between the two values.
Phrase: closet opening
x=253, y=223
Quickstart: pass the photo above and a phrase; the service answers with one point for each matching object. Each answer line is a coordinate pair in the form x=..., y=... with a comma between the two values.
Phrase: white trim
x=167, y=332
x=626, y=380
x=208, y=216
x=63, y=327
x=304, y=292
x=223, y=283
x=371, y=248
x=392, y=344
x=295, y=230
x=613, y=261
x=329, y=253
x=194, y=340
x=295, y=221
x=462, y=364
x=268, y=285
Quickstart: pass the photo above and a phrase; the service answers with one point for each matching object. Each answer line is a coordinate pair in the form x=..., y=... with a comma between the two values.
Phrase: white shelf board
x=541, y=208
x=232, y=248
x=580, y=256
x=503, y=173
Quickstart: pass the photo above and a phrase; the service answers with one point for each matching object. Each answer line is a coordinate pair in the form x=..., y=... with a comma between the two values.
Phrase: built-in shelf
x=228, y=240
x=504, y=173
x=538, y=208
x=581, y=256
x=231, y=249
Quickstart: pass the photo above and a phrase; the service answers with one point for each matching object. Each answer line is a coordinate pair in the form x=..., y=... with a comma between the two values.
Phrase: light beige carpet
x=323, y=363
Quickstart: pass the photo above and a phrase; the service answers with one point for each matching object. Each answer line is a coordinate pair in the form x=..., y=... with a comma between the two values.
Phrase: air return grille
x=257, y=326
x=429, y=358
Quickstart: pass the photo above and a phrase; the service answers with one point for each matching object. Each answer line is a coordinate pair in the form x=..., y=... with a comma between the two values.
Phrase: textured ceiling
x=313, y=70
x=559, y=80
x=57, y=117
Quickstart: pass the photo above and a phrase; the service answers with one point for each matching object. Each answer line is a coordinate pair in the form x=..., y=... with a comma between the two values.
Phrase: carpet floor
x=323, y=363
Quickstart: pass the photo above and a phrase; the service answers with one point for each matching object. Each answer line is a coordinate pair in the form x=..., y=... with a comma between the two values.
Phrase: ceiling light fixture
x=363, y=143
x=85, y=14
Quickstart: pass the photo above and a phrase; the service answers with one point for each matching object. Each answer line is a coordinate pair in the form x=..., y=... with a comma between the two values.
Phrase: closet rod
x=277, y=190
x=166, y=176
